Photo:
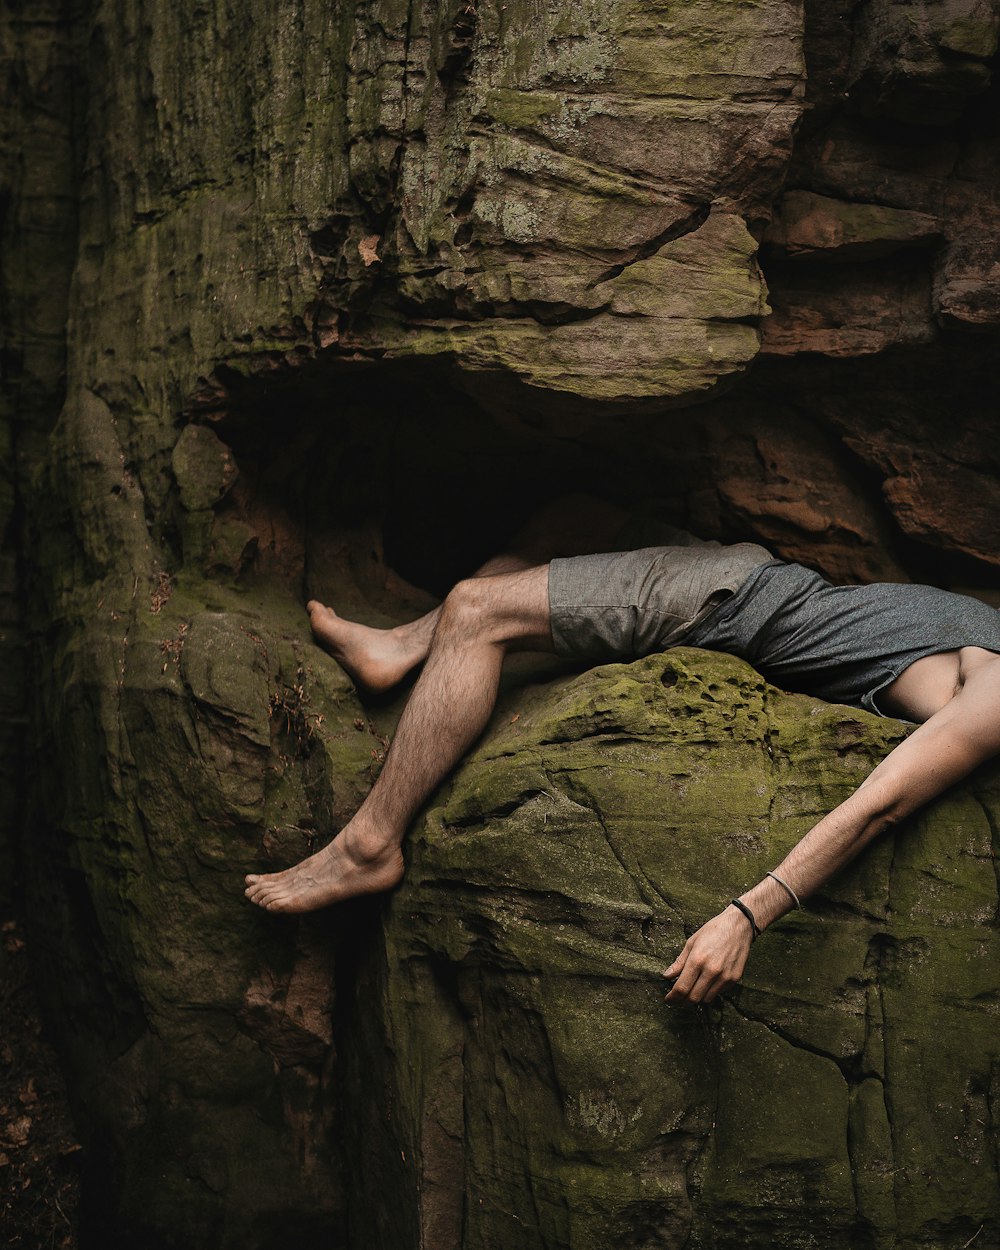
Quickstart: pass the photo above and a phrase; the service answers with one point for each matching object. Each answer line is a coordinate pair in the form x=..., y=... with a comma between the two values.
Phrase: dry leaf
x=16, y=1133
x=366, y=249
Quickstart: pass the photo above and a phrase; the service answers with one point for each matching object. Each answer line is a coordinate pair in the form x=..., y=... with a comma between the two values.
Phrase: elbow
x=883, y=812
x=868, y=829
x=885, y=821
x=890, y=813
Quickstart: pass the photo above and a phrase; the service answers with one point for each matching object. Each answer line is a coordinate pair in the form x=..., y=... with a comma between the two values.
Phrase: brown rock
x=806, y=223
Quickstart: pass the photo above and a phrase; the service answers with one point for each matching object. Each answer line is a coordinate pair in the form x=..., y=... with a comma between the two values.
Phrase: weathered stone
x=968, y=287
x=805, y=223
x=854, y=311
x=204, y=468
x=420, y=268
x=780, y=476
x=556, y=877
x=921, y=69
x=676, y=323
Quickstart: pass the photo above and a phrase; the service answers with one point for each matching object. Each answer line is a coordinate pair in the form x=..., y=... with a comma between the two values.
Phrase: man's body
x=954, y=693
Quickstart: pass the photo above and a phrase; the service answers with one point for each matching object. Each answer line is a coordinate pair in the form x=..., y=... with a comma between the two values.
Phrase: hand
x=713, y=958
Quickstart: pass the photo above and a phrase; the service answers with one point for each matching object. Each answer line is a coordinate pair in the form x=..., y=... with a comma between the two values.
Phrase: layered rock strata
x=311, y=300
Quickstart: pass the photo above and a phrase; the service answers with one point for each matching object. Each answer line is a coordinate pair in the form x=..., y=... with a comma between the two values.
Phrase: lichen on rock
x=604, y=818
x=315, y=300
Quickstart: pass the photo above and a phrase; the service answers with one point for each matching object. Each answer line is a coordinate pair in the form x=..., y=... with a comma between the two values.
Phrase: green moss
x=522, y=110
x=558, y=874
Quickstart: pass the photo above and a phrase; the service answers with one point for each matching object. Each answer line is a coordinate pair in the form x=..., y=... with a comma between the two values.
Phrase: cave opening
x=424, y=477
x=370, y=473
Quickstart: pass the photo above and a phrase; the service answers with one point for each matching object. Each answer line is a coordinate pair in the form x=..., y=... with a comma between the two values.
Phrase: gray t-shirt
x=840, y=643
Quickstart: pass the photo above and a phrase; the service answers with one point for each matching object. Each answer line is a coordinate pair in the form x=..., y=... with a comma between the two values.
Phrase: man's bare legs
x=479, y=622
x=379, y=658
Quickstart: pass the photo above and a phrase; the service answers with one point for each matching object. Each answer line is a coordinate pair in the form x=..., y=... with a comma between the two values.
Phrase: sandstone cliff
x=310, y=299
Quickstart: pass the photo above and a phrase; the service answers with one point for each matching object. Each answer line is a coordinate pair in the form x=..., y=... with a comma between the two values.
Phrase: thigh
x=514, y=607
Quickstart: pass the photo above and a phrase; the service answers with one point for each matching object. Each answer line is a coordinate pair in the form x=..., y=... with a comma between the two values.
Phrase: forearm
x=940, y=752
x=828, y=847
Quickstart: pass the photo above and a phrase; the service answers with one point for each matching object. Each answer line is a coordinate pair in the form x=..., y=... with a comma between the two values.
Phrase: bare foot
x=376, y=658
x=341, y=870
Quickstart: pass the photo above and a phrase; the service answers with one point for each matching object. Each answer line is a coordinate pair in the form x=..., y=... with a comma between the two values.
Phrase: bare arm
x=943, y=750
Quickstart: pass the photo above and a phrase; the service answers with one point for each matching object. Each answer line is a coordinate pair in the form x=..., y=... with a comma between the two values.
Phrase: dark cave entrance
x=409, y=469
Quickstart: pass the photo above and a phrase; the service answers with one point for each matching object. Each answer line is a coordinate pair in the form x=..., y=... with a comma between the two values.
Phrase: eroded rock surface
x=312, y=300
x=552, y=1099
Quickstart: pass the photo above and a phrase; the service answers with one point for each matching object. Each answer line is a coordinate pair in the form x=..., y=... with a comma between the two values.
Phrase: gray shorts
x=839, y=643
x=625, y=604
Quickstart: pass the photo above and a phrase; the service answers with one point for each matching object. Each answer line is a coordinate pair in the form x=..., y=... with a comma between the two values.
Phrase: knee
x=467, y=609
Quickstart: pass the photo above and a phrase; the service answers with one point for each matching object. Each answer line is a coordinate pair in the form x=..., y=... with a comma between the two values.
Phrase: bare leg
x=379, y=658
x=480, y=621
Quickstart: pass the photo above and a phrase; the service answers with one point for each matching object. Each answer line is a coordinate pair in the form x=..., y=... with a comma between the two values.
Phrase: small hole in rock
x=669, y=677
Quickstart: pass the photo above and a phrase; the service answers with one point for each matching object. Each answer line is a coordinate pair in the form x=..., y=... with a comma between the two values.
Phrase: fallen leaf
x=16, y=1133
x=515, y=717
x=366, y=249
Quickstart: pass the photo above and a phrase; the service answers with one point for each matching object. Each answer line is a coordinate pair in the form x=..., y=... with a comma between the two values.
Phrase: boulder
x=535, y=1088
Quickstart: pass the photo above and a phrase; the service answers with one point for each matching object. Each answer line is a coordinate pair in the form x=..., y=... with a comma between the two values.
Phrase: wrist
x=747, y=912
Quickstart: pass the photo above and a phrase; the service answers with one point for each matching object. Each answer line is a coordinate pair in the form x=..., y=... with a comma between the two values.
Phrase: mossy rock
x=601, y=821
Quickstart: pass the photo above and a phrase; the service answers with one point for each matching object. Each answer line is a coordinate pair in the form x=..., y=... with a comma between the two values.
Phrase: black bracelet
x=749, y=915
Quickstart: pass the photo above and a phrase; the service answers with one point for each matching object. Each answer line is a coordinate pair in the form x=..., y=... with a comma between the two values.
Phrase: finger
x=697, y=986
x=686, y=982
x=677, y=966
x=715, y=989
x=700, y=989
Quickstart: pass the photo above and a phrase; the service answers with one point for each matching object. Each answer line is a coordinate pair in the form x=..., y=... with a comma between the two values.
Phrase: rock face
x=308, y=300
x=841, y=1096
